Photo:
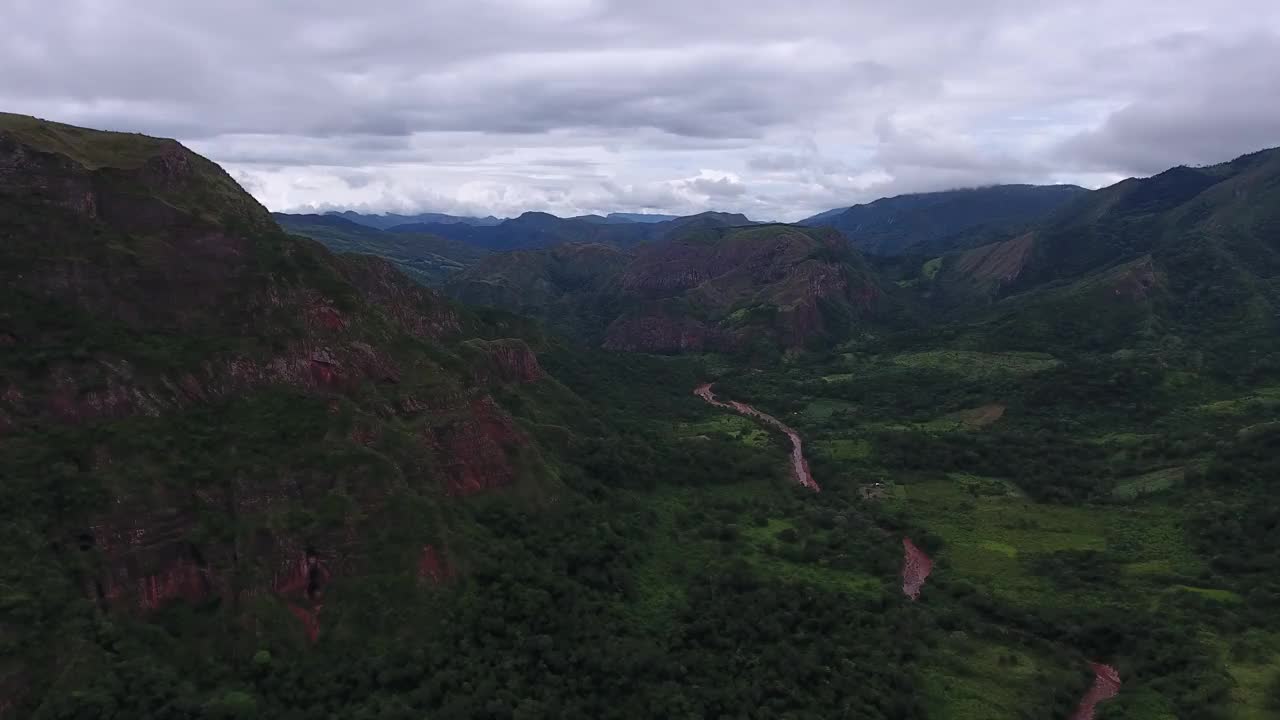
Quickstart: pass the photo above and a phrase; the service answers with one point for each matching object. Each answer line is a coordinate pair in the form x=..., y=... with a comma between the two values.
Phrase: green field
x=737, y=427
x=1263, y=400
x=1146, y=484
x=845, y=449
x=970, y=678
x=824, y=408
x=965, y=362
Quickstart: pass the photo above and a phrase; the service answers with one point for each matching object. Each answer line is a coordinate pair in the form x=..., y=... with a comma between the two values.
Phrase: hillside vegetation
x=244, y=476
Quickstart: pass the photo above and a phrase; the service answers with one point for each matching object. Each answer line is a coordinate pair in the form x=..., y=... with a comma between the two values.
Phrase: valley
x=251, y=474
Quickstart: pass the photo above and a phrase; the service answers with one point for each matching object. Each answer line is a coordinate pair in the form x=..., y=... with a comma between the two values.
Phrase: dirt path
x=916, y=566
x=1106, y=685
x=799, y=466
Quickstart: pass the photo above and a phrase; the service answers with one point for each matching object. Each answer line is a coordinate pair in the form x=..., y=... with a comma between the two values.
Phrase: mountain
x=944, y=220
x=537, y=229
x=427, y=258
x=702, y=288
x=624, y=218
x=1084, y=424
x=1188, y=258
x=568, y=286
x=639, y=217
x=726, y=289
x=390, y=220
x=242, y=476
x=215, y=436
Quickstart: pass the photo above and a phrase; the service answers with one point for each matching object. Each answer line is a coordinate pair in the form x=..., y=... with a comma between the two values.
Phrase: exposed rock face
x=1136, y=281
x=122, y=390
x=418, y=310
x=478, y=448
x=916, y=566
x=27, y=170
x=147, y=560
x=433, y=567
x=706, y=287
x=998, y=263
x=715, y=290
x=146, y=285
x=508, y=360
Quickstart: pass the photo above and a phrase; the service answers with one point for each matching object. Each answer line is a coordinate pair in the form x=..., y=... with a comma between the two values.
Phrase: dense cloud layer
x=773, y=109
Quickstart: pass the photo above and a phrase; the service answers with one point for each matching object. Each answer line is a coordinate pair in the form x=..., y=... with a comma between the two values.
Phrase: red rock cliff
x=173, y=292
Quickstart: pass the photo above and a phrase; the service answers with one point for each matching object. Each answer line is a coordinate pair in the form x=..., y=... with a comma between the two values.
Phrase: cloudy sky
x=775, y=109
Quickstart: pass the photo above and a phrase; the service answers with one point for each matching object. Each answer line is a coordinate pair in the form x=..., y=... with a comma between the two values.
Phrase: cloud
x=1223, y=102
x=577, y=106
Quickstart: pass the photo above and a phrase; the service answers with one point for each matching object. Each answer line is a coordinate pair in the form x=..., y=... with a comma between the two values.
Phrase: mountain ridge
x=199, y=409
x=893, y=225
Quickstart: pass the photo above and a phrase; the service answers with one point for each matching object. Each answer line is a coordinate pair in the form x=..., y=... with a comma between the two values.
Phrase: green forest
x=246, y=475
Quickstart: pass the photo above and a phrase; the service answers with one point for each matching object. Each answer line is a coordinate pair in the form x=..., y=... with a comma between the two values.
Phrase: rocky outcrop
x=27, y=171
x=1136, y=280
x=703, y=288
x=509, y=360
x=916, y=566
x=433, y=566
x=418, y=310
x=147, y=560
x=119, y=389
x=997, y=264
x=717, y=289
x=146, y=284
x=478, y=448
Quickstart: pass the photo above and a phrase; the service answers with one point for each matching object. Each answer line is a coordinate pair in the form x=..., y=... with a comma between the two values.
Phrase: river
x=799, y=466
x=916, y=564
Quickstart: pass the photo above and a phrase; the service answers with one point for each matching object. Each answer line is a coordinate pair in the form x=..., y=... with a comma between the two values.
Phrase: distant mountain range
x=429, y=259
x=921, y=222
x=1187, y=257
x=698, y=289
x=1014, y=264
x=390, y=220
x=430, y=251
x=386, y=221
x=943, y=220
x=538, y=229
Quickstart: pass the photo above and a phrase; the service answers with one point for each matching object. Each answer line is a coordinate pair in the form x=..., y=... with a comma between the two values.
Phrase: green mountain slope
x=726, y=289
x=763, y=287
x=241, y=476
x=567, y=286
x=1187, y=260
x=197, y=408
x=538, y=230
x=429, y=259
x=390, y=220
x=944, y=220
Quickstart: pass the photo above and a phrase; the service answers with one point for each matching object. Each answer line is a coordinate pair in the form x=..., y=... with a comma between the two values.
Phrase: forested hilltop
x=242, y=476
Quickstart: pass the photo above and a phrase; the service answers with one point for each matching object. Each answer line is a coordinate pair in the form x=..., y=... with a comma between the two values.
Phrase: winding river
x=916, y=564
x=799, y=466
x=1106, y=685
